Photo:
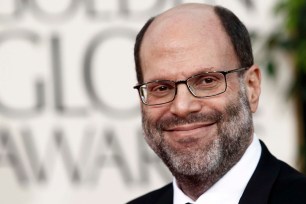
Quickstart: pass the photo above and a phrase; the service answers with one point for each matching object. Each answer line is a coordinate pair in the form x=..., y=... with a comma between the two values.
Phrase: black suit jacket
x=273, y=182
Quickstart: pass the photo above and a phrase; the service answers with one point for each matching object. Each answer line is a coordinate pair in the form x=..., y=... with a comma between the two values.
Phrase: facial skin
x=198, y=139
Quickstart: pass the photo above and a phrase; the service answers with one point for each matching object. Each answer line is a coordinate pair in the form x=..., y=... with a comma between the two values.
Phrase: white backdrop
x=69, y=119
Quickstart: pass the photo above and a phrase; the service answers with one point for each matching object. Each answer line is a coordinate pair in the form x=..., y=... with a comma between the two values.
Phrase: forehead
x=184, y=42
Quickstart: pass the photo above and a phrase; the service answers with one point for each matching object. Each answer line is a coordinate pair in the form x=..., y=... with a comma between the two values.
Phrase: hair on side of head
x=137, y=46
x=238, y=34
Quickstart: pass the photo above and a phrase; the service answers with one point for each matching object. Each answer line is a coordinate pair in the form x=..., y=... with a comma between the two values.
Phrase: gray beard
x=205, y=163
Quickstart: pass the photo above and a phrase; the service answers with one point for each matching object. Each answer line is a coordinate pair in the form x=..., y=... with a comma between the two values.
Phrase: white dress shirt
x=230, y=187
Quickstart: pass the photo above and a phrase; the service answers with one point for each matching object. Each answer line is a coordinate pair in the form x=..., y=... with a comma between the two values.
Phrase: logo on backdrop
x=38, y=137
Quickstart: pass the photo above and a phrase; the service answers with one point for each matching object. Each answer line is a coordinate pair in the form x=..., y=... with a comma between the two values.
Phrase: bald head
x=198, y=16
x=185, y=13
x=193, y=26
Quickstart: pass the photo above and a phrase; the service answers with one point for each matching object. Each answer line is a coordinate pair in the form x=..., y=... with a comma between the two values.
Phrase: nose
x=184, y=102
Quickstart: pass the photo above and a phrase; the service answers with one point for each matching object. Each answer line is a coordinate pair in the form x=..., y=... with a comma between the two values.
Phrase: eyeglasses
x=202, y=85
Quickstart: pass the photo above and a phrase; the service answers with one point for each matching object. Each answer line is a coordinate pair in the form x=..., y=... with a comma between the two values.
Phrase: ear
x=252, y=81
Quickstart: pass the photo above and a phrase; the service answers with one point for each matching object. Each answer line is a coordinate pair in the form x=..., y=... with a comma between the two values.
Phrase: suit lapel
x=167, y=196
x=260, y=184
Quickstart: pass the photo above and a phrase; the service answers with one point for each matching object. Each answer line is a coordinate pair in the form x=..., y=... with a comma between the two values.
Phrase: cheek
x=219, y=102
x=233, y=86
x=232, y=93
x=154, y=113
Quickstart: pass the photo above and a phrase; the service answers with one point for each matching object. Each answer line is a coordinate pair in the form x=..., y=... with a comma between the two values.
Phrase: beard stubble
x=211, y=161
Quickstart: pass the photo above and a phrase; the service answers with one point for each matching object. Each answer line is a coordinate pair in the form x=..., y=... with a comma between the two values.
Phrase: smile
x=188, y=127
x=188, y=131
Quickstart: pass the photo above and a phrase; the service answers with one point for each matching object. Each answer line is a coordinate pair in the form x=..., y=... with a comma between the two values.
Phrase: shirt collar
x=230, y=187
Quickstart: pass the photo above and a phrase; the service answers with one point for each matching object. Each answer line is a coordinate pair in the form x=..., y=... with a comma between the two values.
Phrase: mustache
x=172, y=121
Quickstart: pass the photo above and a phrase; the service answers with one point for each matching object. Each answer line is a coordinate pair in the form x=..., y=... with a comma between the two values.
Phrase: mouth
x=188, y=127
x=189, y=132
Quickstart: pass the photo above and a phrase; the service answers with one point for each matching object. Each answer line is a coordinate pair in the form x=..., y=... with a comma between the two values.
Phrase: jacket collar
x=167, y=196
x=261, y=182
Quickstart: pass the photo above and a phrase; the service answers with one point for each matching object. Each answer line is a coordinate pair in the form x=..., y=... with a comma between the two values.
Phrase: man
x=199, y=87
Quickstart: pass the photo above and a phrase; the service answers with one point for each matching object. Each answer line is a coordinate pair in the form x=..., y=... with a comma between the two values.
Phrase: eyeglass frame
x=224, y=73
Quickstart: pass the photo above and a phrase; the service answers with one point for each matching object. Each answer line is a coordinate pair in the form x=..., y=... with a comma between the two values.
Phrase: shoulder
x=290, y=186
x=154, y=196
x=274, y=182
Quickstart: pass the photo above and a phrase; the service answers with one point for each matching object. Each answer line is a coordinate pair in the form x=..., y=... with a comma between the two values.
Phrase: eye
x=160, y=88
x=207, y=81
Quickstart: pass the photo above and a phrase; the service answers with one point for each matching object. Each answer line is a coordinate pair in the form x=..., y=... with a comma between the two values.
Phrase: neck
x=195, y=186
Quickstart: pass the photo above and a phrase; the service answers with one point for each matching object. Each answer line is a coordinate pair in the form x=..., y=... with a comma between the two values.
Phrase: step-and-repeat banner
x=70, y=128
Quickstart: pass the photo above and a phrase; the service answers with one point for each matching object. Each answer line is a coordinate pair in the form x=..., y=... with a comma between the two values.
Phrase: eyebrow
x=204, y=69
x=200, y=70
